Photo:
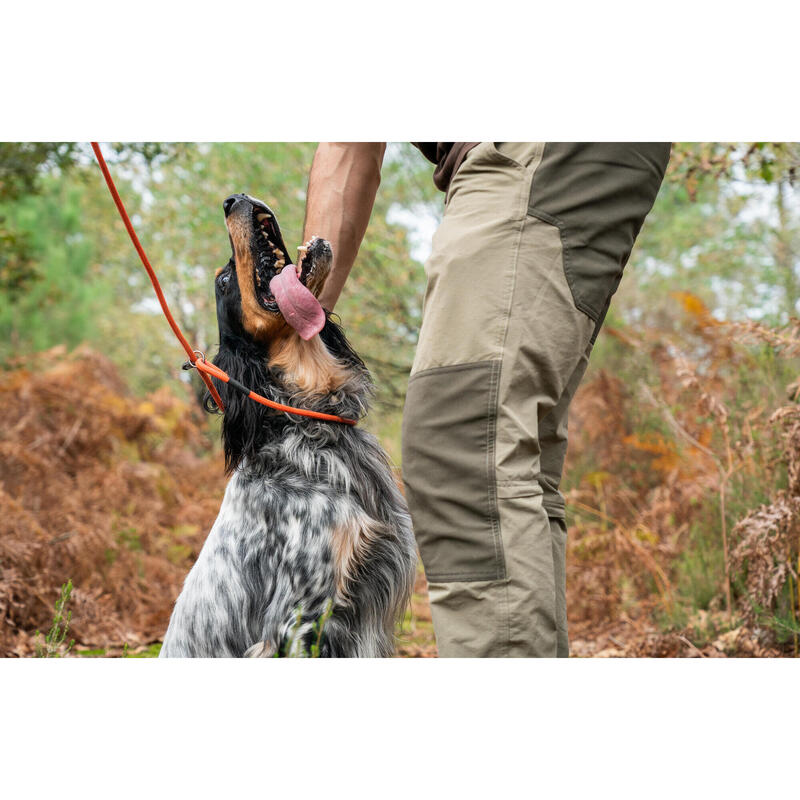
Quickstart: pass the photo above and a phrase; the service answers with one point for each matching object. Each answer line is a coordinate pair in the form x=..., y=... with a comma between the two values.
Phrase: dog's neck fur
x=322, y=374
x=308, y=365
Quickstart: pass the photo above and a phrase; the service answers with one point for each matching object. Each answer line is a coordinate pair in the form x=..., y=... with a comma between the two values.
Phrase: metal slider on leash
x=201, y=358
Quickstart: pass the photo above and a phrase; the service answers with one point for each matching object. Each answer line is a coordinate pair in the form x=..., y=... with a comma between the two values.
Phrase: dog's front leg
x=213, y=615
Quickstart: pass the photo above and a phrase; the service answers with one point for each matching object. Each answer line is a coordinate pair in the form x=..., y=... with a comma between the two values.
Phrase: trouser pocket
x=448, y=469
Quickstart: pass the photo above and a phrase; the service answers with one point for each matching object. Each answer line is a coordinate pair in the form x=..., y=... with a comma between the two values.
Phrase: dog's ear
x=245, y=423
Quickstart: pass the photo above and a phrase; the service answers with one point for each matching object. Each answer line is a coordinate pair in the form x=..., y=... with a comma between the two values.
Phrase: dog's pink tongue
x=298, y=306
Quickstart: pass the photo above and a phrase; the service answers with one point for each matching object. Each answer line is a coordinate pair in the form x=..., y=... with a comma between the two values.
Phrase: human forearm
x=341, y=192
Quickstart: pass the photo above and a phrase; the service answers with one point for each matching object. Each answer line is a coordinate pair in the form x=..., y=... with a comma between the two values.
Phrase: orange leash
x=213, y=369
x=205, y=368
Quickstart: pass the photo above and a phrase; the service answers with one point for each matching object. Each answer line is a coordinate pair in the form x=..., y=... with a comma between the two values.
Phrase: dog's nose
x=229, y=203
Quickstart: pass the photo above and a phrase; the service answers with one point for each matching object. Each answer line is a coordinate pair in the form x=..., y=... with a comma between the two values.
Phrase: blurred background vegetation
x=683, y=475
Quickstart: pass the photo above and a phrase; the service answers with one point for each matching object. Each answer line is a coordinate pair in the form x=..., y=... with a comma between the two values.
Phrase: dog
x=312, y=552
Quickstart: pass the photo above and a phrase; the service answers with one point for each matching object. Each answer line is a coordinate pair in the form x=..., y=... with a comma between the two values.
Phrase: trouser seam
x=524, y=191
x=491, y=433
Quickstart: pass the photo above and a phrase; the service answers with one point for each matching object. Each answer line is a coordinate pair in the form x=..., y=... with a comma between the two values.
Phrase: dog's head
x=245, y=304
x=262, y=351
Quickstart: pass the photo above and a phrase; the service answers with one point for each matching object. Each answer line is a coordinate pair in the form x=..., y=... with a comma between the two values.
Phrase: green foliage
x=727, y=238
x=700, y=569
x=695, y=163
x=22, y=164
x=91, y=652
x=151, y=651
x=24, y=169
x=53, y=646
x=17, y=267
x=55, y=296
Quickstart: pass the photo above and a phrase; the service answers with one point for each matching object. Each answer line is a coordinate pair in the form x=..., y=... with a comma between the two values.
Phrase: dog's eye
x=224, y=279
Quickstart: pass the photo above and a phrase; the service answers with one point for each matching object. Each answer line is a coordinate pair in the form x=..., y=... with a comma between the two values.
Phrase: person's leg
x=470, y=469
x=553, y=447
x=505, y=331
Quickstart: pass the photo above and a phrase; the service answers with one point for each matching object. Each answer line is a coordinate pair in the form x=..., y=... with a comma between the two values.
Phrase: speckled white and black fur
x=268, y=569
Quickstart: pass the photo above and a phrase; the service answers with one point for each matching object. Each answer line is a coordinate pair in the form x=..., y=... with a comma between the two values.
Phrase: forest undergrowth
x=113, y=492
x=683, y=494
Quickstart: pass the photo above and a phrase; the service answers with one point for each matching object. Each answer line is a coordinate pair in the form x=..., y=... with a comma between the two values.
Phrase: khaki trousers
x=531, y=247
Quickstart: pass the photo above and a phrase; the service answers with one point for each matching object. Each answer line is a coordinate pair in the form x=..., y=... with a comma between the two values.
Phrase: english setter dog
x=312, y=552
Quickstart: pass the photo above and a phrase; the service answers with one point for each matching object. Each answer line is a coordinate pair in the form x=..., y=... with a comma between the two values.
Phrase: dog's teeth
x=259, y=217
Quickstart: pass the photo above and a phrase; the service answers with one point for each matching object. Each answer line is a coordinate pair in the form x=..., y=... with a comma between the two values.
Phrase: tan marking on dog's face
x=259, y=323
x=307, y=364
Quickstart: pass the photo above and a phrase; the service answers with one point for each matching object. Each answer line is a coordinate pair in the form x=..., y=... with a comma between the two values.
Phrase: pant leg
x=553, y=446
x=503, y=334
